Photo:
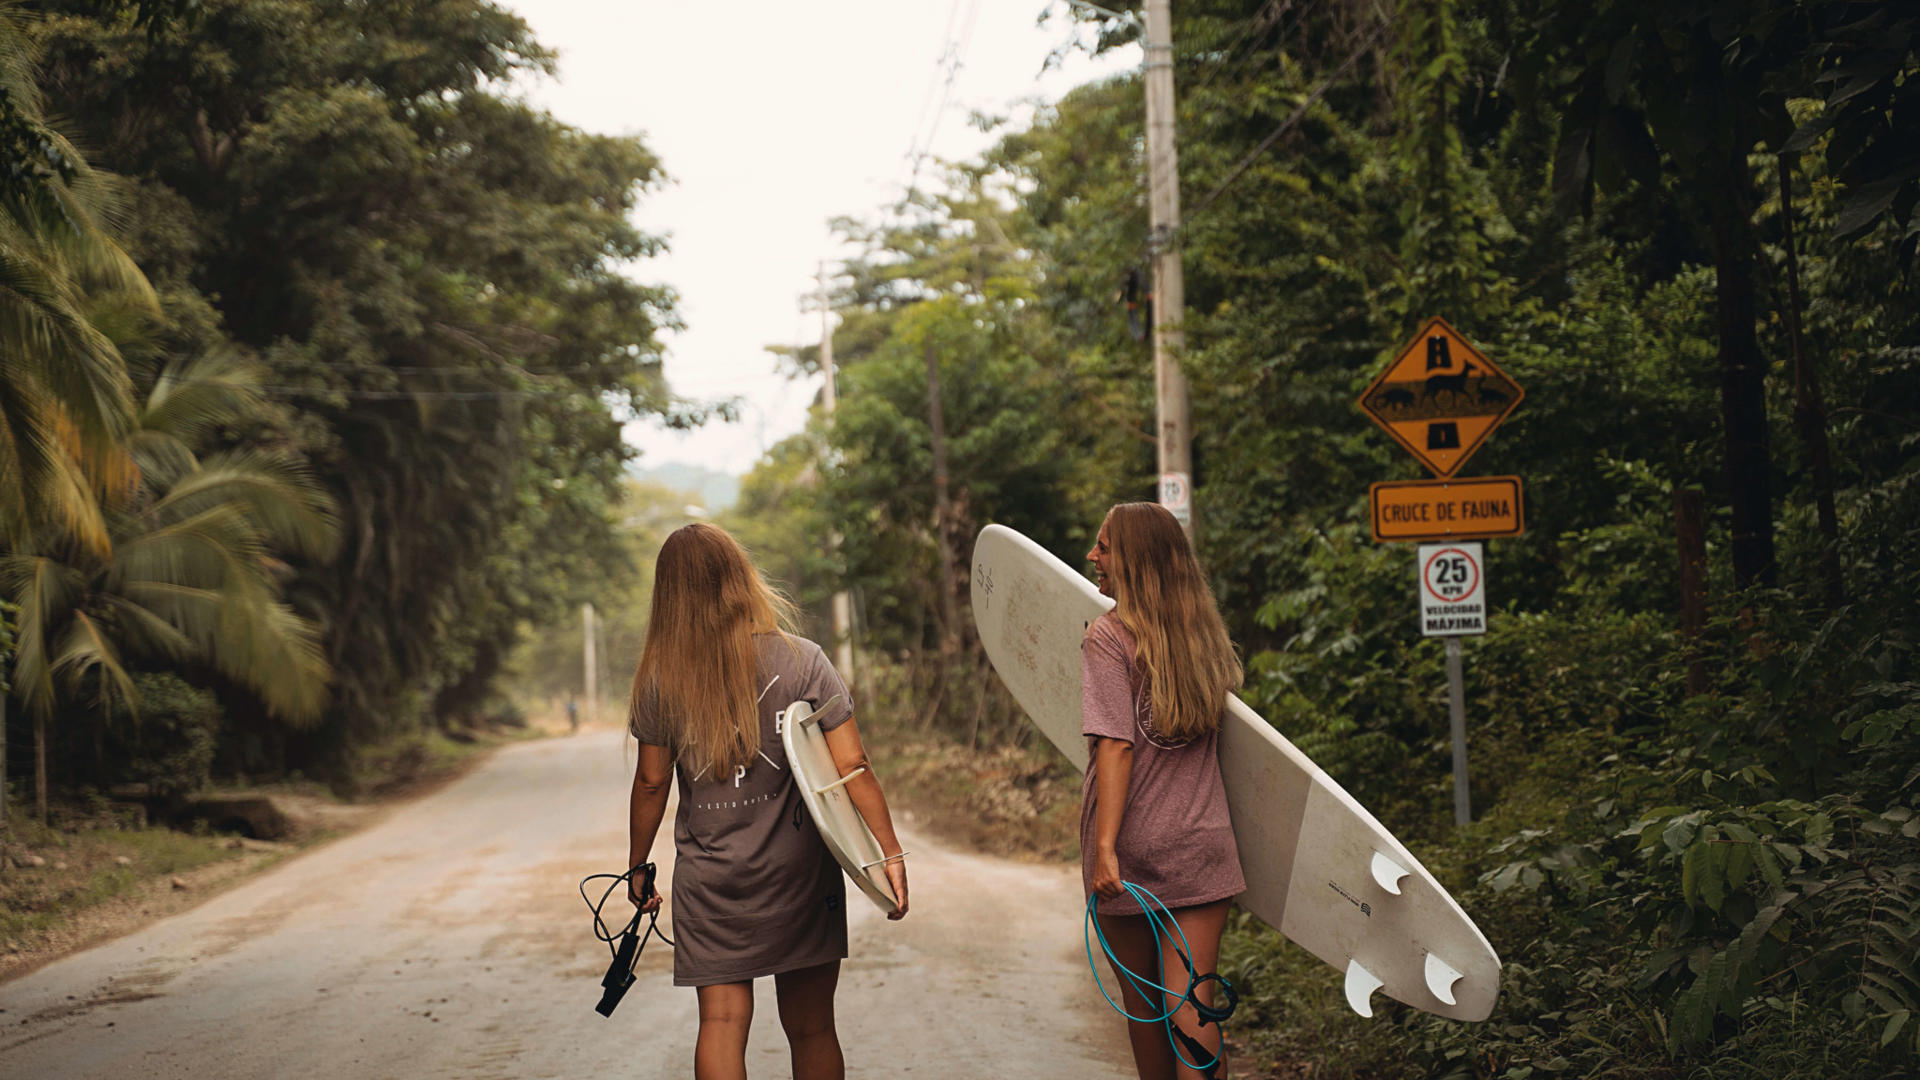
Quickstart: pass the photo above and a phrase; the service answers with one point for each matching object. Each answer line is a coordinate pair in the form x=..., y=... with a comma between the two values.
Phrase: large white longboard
x=824, y=791
x=1319, y=867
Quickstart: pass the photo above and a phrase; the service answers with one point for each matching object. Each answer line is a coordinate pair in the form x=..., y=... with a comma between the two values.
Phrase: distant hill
x=715, y=490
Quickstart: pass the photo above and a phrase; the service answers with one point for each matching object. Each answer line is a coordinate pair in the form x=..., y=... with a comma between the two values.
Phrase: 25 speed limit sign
x=1453, y=590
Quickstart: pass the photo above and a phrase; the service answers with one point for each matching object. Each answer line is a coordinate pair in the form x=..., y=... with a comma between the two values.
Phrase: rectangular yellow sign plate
x=1471, y=509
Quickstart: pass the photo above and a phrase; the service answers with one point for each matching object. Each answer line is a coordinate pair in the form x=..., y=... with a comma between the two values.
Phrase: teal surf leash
x=1160, y=919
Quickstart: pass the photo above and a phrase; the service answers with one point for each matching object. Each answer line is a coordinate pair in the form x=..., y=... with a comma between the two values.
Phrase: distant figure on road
x=573, y=715
x=755, y=890
x=1155, y=673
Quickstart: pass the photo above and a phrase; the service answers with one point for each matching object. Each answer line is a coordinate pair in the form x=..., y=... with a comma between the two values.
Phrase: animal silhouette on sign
x=1394, y=397
x=1451, y=384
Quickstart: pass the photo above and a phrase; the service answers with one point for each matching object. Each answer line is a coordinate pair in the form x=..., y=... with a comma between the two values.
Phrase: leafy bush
x=169, y=743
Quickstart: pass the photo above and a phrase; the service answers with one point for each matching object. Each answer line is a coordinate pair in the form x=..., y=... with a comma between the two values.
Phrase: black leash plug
x=630, y=941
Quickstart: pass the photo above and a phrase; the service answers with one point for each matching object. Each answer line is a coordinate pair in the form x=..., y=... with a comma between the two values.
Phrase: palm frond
x=280, y=498
x=192, y=398
x=40, y=482
x=88, y=647
x=46, y=593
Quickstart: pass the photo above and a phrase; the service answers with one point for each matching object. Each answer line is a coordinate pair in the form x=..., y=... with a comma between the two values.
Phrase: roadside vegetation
x=318, y=341
x=1688, y=230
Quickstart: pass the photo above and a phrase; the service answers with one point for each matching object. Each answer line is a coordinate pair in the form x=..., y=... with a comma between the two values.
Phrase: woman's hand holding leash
x=1106, y=874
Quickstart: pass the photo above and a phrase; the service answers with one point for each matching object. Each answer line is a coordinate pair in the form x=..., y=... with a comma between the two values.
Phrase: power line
x=1286, y=125
x=953, y=56
x=1255, y=28
x=435, y=395
x=933, y=83
x=1126, y=16
x=1293, y=119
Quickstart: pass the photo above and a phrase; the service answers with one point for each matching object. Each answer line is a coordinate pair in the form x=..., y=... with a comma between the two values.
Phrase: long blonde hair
x=1164, y=601
x=696, y=670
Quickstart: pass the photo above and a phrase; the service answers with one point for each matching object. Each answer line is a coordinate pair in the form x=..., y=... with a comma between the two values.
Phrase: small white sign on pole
x=1176, y=494
x=1453, y=590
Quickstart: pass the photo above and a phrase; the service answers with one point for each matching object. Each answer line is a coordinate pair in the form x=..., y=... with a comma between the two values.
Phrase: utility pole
x=1175, y=434
x=589, y=661
x=842, y=607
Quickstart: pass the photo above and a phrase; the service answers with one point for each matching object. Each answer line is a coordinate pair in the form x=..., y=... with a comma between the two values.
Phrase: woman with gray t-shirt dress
x=1155, y=672
x=755, y=890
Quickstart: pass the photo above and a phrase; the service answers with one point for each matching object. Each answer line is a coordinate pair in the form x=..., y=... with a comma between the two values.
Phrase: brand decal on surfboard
x=1365, y=908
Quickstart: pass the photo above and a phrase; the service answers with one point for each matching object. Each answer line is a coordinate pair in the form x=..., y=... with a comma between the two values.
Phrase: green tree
x=434, y=274
x=64, y=394
x=193, y=573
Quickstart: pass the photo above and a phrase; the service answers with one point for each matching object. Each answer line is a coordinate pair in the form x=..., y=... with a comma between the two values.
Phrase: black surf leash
x=626, y=945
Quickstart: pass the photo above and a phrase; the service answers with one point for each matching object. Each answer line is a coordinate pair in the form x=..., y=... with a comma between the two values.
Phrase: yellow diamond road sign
x=1440, y=398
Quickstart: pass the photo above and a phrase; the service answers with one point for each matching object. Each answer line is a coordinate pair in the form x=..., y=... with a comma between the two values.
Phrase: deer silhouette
x=1456, y=384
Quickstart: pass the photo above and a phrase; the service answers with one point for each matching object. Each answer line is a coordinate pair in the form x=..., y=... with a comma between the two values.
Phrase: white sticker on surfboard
x=1319, y=867
x=824, y=791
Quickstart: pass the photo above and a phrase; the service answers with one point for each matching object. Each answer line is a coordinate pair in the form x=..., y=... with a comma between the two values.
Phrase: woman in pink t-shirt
x=1155, y=674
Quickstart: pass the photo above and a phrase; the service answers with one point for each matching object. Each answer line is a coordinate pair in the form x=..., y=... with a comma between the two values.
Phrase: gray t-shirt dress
x=755, y=890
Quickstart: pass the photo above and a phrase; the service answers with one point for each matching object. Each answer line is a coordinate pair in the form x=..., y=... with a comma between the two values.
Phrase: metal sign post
x=1453, y=603
x=1440, y=397
x=1457, y=718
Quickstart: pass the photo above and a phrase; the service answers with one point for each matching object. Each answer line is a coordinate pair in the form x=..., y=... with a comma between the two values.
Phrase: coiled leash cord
x=1160, y=918
x=630, y=940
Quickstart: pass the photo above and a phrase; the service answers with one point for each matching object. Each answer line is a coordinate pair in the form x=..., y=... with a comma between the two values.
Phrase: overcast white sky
x=772, y=117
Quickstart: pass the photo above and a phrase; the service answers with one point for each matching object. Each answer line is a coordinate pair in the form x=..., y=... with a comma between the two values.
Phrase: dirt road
x=449, y=941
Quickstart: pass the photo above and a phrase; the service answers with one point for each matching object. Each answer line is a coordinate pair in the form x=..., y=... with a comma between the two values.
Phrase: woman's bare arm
x=1113, y=772
x=652, y=780
x=849, y=754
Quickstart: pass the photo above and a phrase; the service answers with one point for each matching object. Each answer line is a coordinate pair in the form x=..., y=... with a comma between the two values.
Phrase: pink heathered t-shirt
x=1176, y=840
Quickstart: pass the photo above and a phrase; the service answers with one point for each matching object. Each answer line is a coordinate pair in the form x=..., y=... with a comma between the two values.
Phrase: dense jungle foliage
x=1687, y=229
x=315, y=341
x=318, y=344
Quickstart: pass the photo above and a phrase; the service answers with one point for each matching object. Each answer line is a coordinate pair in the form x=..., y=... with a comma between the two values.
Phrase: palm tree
x=65, y=396
x=64, y=392
x=192, y=572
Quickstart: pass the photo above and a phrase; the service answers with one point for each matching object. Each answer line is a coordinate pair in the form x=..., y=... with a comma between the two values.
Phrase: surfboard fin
x=1361, y=984
x=1440, y=978
x=814, y=716
x=1388, y=873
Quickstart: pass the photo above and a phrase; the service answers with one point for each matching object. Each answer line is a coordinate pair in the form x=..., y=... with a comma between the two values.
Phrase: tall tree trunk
x=1809, y=410
x=943, y=513
x=6, y=822
x=40, y=767
x=1690, y=530
x=1743, y=403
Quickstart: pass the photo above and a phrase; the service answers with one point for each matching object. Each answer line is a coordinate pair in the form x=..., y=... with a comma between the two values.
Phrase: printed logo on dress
x=734, y=804
x=1143, y=717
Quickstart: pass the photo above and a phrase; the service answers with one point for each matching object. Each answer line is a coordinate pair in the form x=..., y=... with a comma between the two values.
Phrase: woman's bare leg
x=1131, y=939
x=1203, y=927
x=806, y=1013
x=720, y=1050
